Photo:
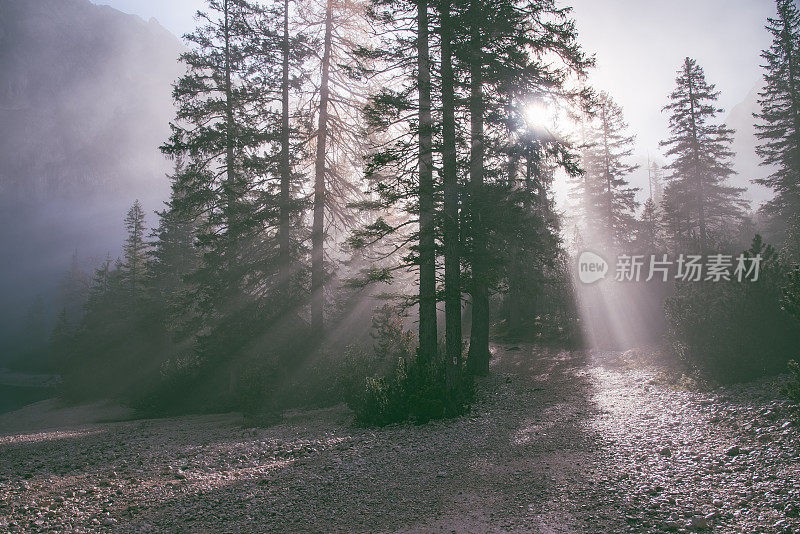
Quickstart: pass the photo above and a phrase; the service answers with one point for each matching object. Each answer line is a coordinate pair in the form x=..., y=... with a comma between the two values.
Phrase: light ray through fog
x=618, y=315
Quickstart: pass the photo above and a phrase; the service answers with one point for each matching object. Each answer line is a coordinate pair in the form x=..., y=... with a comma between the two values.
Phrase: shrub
x=256, y=388
x=329, y=374
x=410, y=388
x=734, y=330
x=174, y=390
x=414, y=391
x=792, y=387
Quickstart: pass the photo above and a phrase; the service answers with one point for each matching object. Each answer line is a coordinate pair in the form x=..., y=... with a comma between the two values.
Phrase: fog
x=84, y=104
x=399, y=266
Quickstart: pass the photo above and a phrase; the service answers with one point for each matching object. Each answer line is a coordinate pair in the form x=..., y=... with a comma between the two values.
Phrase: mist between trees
x=362, y=197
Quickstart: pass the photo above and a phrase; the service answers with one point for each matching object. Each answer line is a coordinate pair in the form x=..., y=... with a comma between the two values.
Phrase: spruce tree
x=320, y=164
x=701, y=205
x=400, y=166
x=604, y=185
x=174, y=252
x=655, y=178
x=648, y=235
x=219, y=129
x=135, y=252
x=451, y=206
x=506, y=58
x=478, y=356
x=584, y=193
x=778, y=128
x=427, y=232
x=237, y=178
x=490, y=54
x=174, y=258
x=340, y=78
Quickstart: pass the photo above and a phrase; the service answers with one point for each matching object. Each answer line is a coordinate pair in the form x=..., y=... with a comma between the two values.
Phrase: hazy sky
x=639, y=45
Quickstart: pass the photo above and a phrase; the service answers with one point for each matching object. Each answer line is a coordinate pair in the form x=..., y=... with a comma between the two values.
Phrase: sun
x=549, y=117
x=539, y=115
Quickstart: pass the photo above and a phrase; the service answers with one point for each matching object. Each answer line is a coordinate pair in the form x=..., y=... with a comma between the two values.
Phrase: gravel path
x=559, y=442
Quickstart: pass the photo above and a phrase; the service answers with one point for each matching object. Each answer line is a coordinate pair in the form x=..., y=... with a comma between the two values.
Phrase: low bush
x=410, y=389
x=328, y=375
x=734, y=331
x=792, y=387
x=173, y=391
x=413, y=391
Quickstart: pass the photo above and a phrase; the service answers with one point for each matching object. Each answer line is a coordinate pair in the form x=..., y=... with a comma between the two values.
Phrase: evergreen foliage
x=605, y=199
x=700, y=206
x=778, y=126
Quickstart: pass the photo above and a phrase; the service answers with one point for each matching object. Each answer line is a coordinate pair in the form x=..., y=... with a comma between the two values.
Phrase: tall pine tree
x=604, y=191
x=135, y=252
x=233, y=132
x=507, y=57
x=698, y=200
x=778, y=128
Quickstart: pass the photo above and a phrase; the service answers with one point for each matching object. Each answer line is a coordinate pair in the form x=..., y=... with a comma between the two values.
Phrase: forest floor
x=558, y=442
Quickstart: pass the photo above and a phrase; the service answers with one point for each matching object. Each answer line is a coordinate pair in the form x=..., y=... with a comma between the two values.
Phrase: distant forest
x=362, y=197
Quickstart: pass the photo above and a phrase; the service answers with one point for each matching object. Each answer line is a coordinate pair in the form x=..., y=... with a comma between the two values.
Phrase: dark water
x=15, y=397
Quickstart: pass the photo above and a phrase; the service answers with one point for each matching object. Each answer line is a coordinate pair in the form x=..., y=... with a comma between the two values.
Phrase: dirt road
x=558, y=442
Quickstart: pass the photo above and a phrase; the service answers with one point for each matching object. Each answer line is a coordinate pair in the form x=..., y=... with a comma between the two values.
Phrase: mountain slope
x=85, y=101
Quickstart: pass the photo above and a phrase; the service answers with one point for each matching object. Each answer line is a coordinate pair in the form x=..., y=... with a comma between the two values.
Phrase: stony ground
x=559, y=442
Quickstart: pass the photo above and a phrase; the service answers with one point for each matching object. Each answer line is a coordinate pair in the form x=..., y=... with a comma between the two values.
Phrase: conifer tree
x=218, y=130
x=655, y=178
x=648, y=235
x=699, y=202
x=497, y=51
x=506, y=56
x=174, y=254
x=478, y=356
x=135, y=252
x=607, y=197
x=427, y=231
x=584, y=193
x=174, y=258
x=400, y=168
x=318, y=224
x=451, y=206
x=778, y=128
x=233, y=133
x=343, y=81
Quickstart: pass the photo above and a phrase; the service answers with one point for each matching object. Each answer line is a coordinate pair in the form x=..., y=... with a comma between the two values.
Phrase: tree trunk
x=697, y=170
x=285, y=166
x=515, y=298
x=452, y=260
x=229, y=188
x=318, y=226
x=427, y=247
x=612, y=233
x=515, y=278
x=478, y=357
